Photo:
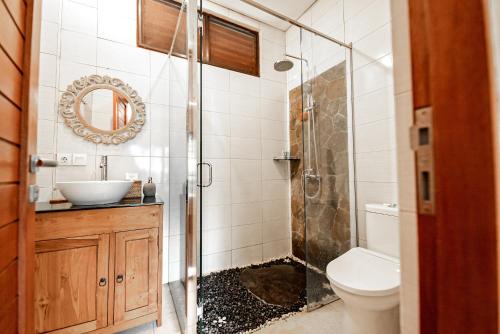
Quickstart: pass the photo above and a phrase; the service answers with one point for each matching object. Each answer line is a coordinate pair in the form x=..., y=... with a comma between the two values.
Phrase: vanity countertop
x=48, y=207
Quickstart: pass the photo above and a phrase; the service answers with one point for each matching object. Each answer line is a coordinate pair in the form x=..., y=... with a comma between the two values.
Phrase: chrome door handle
x=36, y=163
x=210, y=174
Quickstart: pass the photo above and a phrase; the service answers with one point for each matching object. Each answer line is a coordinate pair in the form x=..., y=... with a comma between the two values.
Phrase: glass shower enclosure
x=322, y=209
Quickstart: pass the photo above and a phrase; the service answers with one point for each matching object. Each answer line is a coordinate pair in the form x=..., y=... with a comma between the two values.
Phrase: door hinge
x=422, y=143
x=33, y=193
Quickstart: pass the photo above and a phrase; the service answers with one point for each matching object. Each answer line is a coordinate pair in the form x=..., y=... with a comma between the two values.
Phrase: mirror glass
x=106, y=109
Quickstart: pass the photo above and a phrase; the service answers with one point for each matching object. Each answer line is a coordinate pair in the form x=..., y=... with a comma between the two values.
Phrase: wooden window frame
x=204, y=51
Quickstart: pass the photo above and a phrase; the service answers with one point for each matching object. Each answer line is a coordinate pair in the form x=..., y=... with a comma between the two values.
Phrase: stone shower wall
x=326, y=229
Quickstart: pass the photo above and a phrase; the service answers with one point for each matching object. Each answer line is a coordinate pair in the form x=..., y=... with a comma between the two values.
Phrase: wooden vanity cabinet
x=71, y=283
x=98, y=271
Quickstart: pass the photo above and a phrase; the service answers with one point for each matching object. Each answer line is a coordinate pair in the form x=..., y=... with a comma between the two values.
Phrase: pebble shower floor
x=229, y=307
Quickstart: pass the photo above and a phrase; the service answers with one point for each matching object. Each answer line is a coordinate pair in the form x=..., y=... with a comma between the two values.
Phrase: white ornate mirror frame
x=69, y=108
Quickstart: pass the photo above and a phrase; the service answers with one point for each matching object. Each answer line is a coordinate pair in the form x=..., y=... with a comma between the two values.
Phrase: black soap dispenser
x=149, y=189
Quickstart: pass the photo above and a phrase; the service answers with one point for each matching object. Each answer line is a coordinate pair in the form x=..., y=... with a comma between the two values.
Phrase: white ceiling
x=291, y=8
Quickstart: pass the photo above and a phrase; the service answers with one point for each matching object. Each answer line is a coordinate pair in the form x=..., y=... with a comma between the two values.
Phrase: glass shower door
x=325, y=173
x=184, y=289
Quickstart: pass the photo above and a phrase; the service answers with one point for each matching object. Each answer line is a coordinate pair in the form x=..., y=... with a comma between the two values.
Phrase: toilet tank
x=382, y=228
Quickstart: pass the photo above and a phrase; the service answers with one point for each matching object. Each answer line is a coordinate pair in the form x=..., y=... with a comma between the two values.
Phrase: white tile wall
x=409, y=301
x=84, y=37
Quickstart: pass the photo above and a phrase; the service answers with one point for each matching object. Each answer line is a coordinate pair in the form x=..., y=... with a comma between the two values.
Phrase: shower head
x=283, y=65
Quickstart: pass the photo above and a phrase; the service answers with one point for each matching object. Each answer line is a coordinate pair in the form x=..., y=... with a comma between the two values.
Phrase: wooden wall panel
x=11, y=80
x=8, y=318
x=8, y=284
x=9, y=204
x=11, y=38
x=17, y=9
x=8, y=244
x=9, y=162
x=11, y=121
x=19, y=54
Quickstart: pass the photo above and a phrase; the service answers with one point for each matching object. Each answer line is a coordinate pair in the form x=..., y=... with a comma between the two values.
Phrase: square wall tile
x=49, y=37
x=276, y=230
x=246, y=213
x=216, y=217
x=46, y=103
x=244, y=105
x=275, y=189
x=51, y=10
x=216, y=262
x=69, y=72
x=276, y=210
x=216, y=241
x=245, y=170
x=245, y=148
x=276, y=249
x=216, y=100
x=79, y=18
x=48, y=70
x=246, y=235
x=132, y=59
x=244, y=84
x=217, y=194
x=78, y=48
x=46, y=131
x=246, y=256
x=117, y=30
x=245, y=127
x=246, y=191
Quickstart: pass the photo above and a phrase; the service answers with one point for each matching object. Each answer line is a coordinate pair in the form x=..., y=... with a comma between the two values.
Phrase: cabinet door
x=136, y=274
x=71, y=289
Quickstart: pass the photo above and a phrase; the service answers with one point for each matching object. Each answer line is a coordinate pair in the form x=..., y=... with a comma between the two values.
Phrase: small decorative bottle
x=149, y=188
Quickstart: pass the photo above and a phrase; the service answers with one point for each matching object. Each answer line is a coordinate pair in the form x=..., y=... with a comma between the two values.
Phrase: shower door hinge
x=199, y=312
x=422, y=143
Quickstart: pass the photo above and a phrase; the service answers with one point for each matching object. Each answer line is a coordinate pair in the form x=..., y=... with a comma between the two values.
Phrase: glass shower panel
x=325, y=163
x=185, y=155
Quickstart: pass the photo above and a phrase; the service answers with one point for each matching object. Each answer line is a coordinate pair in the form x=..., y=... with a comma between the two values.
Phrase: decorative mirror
x=102, y=109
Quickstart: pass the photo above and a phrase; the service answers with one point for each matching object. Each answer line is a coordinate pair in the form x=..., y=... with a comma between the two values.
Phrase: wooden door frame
x=452, y=72
x=26, y=235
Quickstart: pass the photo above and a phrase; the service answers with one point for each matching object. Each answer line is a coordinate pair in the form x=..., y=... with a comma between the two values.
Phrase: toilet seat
x=364, y=272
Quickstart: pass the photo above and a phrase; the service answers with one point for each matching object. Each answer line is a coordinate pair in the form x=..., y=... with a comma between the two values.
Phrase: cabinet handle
x=119, y=278
x=102, y=281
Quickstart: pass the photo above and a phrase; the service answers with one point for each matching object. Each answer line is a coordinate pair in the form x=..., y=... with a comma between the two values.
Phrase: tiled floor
x=170, y=324
x=328, y=319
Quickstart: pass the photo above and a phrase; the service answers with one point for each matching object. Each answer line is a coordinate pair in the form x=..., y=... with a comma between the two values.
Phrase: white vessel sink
x=94, y=192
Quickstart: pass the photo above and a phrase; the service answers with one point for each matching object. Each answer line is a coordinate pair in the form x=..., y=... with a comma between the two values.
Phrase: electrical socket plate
x=64, y=159
x=79, y=159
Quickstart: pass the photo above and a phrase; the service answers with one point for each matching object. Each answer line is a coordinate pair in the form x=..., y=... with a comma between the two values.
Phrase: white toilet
x=368, y=280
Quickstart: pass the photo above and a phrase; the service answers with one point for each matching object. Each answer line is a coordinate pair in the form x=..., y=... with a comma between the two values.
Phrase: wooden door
x=71, y=284
x=452, y=75
x=136, y=274
x=19, y=53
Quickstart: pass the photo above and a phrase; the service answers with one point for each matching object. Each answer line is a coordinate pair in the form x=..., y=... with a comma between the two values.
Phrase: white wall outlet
x=79, y=159
x=131, y=176
x=64, y=159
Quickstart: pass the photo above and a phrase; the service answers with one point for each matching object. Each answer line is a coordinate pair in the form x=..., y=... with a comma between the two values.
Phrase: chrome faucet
x=104, y=168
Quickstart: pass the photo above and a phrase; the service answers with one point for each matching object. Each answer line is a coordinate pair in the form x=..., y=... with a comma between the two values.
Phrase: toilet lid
x=364, y=272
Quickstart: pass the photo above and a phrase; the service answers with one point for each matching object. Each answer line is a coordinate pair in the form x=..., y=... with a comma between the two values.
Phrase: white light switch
x=79, y=159
x=64, y=159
